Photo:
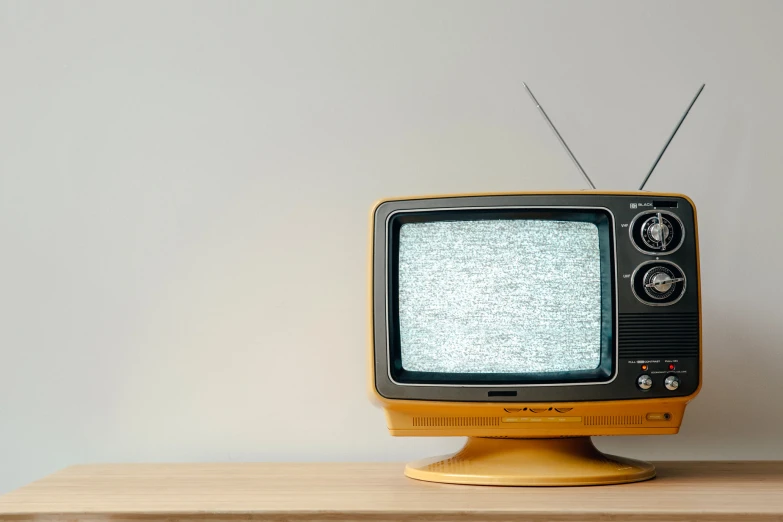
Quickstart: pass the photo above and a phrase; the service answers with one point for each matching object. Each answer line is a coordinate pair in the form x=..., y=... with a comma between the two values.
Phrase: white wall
x=185, y=186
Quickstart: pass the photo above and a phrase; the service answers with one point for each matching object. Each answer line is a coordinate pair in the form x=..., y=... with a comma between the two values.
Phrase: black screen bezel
x=601, y=217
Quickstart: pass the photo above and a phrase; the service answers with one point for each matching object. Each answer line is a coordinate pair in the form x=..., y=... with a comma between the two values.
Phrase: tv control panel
x=658, y=333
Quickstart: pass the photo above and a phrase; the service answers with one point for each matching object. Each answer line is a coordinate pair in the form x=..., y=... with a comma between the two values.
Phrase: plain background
x=185, y=190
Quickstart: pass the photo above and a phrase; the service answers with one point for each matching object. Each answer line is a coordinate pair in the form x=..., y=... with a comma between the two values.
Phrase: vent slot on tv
x=613, y=420
x=640, y=336
x=456, y=421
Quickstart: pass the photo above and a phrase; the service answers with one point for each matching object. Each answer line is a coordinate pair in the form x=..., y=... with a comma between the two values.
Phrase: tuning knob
x=658, y=283
x=644, y=382
x=658, y=232
x=671, y=382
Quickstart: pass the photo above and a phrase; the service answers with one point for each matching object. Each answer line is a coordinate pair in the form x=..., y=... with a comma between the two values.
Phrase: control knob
x=658, y=232
x=644, y=382
x=658, y=283
x=671, y=382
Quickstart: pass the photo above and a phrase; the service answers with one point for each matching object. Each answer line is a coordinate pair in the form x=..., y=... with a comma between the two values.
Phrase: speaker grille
x=651, y=336
x=613, y=420
x=456, y=421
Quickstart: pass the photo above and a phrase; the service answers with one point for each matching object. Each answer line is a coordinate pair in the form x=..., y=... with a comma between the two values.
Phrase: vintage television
x=530, y=322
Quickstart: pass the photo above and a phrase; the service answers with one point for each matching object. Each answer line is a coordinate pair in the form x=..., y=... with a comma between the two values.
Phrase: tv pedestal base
x=530, y=462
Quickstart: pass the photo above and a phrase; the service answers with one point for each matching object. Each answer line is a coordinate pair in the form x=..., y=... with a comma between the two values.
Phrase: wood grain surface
x=298, y=492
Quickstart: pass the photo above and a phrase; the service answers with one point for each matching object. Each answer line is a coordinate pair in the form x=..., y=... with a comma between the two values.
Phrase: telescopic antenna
x=672, y=136
x=559, y=137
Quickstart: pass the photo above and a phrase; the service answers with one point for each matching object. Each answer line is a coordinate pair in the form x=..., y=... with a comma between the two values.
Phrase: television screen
x=500, y=296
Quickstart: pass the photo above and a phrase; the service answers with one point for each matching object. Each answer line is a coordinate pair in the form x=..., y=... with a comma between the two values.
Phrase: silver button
x=644, y=382
x=671, y=382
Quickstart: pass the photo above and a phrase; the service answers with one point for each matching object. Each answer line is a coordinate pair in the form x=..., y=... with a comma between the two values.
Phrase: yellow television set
x=530, y=322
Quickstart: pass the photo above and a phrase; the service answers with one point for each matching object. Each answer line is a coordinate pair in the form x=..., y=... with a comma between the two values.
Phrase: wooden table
x=303, y=492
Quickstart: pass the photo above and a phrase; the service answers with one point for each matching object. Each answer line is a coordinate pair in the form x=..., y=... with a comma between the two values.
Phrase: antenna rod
x=562, y=141
x=672, y=136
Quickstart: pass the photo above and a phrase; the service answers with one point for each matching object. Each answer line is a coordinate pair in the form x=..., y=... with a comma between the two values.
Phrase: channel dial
x=657, y=232
x=658, y=283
